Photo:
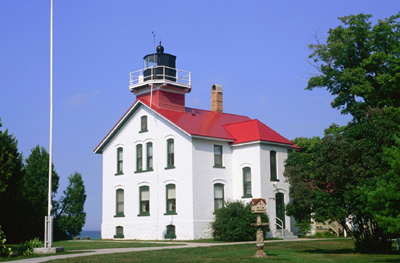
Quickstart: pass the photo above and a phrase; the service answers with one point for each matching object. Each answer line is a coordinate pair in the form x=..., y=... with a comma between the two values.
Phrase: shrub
x=233, y=222
x=4, y=250
x=27, y=247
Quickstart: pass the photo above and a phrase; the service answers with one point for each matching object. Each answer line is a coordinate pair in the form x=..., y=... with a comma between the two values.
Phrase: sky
x=257, y=50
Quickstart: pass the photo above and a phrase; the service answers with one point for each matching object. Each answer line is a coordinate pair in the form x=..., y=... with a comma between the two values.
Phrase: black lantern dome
x=159, y=65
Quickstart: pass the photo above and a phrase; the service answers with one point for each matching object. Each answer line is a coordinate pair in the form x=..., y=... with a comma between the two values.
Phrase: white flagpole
x=48, y=227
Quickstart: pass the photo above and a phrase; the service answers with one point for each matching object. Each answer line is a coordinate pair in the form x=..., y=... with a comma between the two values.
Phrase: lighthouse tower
x=160, y=82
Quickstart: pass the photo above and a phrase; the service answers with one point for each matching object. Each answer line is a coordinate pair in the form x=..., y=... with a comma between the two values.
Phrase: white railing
x=281, y=225
x=160, y=73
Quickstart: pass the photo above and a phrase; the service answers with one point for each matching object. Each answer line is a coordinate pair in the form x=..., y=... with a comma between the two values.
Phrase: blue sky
x=257, y=50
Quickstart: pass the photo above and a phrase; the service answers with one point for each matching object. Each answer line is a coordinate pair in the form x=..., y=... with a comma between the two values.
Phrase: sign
x=258, y=205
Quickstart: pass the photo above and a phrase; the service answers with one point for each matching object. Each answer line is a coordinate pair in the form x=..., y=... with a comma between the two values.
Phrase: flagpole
x=48, y=226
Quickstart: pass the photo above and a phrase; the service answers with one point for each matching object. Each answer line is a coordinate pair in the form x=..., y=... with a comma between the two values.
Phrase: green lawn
x=335, y=250
x=70, y=246
x=332, y=250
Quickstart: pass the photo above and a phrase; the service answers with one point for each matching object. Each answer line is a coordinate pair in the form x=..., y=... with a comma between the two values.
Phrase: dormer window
x=143, y=124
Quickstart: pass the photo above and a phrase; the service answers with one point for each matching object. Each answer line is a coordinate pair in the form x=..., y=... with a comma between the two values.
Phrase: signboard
x=258, y=205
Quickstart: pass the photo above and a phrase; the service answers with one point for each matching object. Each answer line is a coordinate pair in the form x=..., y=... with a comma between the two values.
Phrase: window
x=139, y=158
x=171, y=199
x=143, y=124
x=144, y=196
x=289, y=152
x=170, y=232
x=218, y=196
x=170, y=154
x=119, y=232
x=120, y=161
x=119, y=203
x=218, y=156
x=246, y=182
x=273, y=165
x=149, y=151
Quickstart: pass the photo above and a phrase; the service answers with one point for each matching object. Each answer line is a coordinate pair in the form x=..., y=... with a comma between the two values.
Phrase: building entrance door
x=280, y=209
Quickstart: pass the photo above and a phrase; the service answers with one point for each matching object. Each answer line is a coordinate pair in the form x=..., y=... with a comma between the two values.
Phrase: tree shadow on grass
x=329, y=251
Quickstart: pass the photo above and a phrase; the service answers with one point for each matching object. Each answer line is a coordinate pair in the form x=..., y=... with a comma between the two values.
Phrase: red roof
x=196, y=122
x=254, y=130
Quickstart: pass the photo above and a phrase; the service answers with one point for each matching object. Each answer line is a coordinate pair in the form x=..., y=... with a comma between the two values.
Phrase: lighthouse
x=160, y=83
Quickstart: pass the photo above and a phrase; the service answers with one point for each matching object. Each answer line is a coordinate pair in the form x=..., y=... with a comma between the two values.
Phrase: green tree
x=10, y=159
x=35, y=189
x=384, y=200
x=11, y=203
x=300, y=174
x=233, y=222
x=360, y=64
x=333, y=181
x=70, y=216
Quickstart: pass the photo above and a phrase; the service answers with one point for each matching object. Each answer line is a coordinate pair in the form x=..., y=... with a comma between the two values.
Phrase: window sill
x=274, y=180
x=119, y=173
x=119, y=216
x=219, y=166
x=169, y=167
x=144, y=214
x=247, y=196
x=170, y=213
x=118, y=236
x=143, y=171
x=142, y=131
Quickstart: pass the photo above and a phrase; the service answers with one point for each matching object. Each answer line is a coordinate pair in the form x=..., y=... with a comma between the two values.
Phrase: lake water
x=93, y=234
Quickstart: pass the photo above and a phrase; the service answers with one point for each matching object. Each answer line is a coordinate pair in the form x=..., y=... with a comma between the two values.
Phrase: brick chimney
x=216, y=98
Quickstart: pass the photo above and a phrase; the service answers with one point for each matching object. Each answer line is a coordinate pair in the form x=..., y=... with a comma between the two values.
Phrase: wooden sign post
x=258, y=206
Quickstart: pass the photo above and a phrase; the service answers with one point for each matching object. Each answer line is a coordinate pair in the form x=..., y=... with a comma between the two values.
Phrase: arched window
x=170, y=154
x=144, y=203
x=119, y=232
x=149, y=152
x=246, y=182
x=171, y=199
x=139, y=158
x=170, y=232
x=218, y=196
x=272, y=159
x=119, y=203
x=120, y=160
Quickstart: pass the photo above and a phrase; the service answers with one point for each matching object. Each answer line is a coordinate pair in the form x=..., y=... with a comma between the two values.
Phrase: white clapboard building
x=167, y=167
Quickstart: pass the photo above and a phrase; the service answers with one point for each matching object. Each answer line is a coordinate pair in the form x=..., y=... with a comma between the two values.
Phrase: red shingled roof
x=196, y=122
x=254, y=130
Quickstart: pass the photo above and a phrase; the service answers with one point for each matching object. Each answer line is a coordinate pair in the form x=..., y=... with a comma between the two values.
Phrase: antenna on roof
x=154, y=60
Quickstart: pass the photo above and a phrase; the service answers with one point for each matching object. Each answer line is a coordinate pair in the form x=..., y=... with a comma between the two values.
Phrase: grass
x=71, y=246
x=331, y=250
x=335, y=250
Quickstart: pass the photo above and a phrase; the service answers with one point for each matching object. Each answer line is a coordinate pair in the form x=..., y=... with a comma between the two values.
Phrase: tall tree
x=333, y=182
x=69, y=215
x=11, y=212
x=10, y=159
x=35, y=189
x=360, y=64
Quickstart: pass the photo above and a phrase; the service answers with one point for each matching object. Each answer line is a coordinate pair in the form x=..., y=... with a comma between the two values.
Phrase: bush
x=233, y=222
x=27, y=247
x=4, y=250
